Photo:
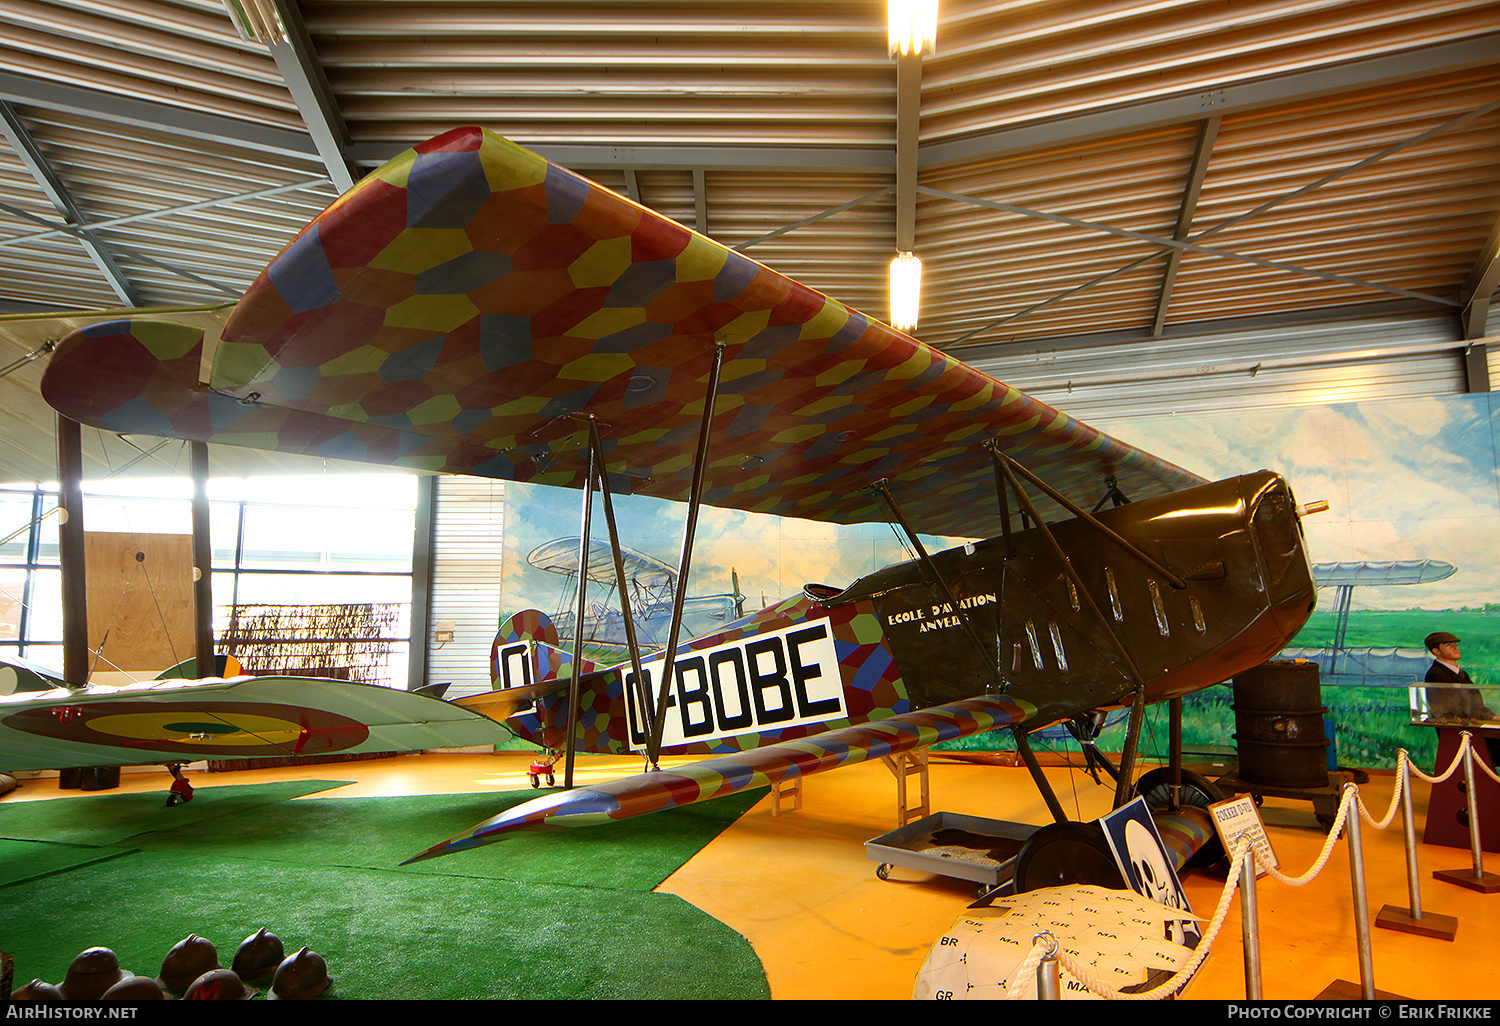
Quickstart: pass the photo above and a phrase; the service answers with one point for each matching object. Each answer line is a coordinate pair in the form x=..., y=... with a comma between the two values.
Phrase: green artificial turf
x=385, y=935
x=564, y=914
x=380, y=833
x=111, y=818
x=28, y=860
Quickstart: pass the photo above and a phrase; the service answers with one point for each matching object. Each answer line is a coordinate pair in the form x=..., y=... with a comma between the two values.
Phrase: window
x=306, y=540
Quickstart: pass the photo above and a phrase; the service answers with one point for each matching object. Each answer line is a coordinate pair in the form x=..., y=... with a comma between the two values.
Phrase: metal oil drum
x=1278, y=719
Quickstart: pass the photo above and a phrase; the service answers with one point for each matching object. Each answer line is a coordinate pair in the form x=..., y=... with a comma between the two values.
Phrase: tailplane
x=527, y=664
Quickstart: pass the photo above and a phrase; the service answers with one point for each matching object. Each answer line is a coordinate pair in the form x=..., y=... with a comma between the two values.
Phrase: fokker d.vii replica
x=469, y=308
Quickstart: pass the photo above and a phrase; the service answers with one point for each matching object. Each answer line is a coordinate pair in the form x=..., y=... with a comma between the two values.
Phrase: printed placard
x=1236, y=817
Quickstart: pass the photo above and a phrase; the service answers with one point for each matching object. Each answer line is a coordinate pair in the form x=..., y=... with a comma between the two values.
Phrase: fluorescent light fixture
x=912, y=26
x=257, y=21
x=906, y=291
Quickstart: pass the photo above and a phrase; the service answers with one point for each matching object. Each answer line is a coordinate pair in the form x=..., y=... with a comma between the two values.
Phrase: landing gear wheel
x=536, y=781
x=1067, y=853
x=551, y=780
x=1197, y=791
x=1156, y=788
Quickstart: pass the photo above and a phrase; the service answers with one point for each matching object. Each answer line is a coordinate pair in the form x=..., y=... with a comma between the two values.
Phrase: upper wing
x=1405, y=571
x=560, y=556
x=758, y=767
x=466, y=305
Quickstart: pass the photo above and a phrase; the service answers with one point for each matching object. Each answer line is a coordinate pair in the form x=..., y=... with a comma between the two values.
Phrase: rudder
x=527, y=650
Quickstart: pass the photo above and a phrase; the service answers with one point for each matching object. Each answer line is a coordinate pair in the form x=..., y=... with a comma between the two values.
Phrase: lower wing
x=714, y=778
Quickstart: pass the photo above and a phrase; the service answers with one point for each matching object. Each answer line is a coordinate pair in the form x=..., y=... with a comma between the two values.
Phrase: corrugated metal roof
x=1324, y=170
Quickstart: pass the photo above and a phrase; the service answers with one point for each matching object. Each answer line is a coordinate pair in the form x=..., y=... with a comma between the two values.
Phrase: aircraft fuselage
x=1238, y=586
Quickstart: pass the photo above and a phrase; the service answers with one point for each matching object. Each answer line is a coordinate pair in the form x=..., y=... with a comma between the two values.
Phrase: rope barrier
x=1023, y=979
x=1480, y=763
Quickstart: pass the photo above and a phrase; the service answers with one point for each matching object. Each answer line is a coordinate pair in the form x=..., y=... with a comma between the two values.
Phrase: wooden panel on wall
x=140, y=597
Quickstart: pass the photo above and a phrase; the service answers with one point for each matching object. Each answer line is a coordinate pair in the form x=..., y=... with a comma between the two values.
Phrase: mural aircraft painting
x=652, y=584
x=470, y=308
x=1342, y=666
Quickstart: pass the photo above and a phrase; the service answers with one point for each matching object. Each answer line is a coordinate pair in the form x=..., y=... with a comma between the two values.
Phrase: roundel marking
x=230, y=729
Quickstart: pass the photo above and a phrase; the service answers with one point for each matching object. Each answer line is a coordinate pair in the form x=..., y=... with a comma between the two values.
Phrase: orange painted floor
x=800, y=888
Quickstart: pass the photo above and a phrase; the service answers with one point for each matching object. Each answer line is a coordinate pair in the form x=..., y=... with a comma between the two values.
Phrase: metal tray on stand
x=949, y=844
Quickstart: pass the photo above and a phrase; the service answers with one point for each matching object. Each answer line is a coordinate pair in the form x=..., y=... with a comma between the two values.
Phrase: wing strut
x=1023, y=746
x=695, y=502
x=1008, y=467
x=597, y=445
x=1132, y=742
x=1004, y=502
x=1112, y=494
x=574, y=689
x=1088, y=518
x=883, y=486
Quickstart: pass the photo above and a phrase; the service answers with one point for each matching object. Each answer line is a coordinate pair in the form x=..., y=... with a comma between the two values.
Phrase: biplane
x=651, y=584
x=470, y=308
x=1340, y=665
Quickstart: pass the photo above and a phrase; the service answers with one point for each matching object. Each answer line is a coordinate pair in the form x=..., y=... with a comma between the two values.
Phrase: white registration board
x=767, y=681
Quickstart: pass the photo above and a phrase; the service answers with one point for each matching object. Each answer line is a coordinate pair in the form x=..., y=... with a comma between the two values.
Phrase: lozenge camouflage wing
x=468, y=305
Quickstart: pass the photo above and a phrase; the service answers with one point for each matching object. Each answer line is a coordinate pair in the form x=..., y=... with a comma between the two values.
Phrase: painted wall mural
x=1413, y=485
x=749, y=559
x=1408, y=547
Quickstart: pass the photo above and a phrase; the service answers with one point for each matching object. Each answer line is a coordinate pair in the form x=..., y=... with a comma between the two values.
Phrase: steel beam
x=125, y=113
x=1183, y=244
x=1208, y=133
x=80, y=234
x=1479, y=52
x=421, y=582
x=311, y=183
x=37, y=166
x=1451, y=57
x=70, y=552
x=203, y=571
x=867, y=197
x=908, y=138
x=1220, y=226
x=1479, y=289
x=297, y=60
x=1476, y=367
x=700, y=201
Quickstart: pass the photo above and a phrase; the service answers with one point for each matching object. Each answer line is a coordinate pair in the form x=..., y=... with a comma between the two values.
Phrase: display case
x=1446, y=705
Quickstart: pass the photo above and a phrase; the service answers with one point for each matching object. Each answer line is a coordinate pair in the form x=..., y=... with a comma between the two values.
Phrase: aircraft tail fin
x=17, y=676
x=527, y=663
x=225, y=666
x=527, y=650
